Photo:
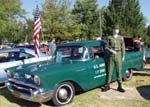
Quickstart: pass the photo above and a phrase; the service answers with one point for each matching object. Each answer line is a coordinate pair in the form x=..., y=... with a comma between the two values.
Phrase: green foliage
x=57, y=20
x=147, y=37
x=10, y=13
x=127, y=14
x=84, y=21
x=86, y=12
x=148, y=31
x=28, y=30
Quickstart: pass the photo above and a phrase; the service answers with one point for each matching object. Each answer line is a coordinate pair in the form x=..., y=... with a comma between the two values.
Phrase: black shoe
x=107, y=87
x=120, y=89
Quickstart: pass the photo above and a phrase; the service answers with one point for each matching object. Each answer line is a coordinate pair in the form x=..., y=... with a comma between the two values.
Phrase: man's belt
x=117, y=50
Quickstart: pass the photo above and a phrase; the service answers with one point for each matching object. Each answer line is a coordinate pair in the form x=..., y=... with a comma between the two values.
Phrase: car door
x=97, y=68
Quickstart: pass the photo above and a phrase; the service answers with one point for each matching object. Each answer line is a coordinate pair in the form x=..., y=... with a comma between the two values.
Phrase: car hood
x=37, y=68
x=28, y=69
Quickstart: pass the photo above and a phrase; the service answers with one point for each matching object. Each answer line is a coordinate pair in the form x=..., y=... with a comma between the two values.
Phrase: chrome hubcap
x=63, y=94
x=127, y=73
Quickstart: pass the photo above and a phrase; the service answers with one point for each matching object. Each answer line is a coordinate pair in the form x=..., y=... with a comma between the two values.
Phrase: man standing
x=52, y=47
x=116, y=50
x=138, y=44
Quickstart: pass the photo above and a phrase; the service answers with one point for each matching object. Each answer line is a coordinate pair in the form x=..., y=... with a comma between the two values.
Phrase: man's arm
x=108, y=46
x=123, y=48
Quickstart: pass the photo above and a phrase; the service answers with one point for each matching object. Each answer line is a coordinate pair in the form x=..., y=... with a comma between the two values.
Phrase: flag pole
x=42, y=33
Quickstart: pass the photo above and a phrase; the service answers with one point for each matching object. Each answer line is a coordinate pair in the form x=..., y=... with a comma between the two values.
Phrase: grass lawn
x=91, y=98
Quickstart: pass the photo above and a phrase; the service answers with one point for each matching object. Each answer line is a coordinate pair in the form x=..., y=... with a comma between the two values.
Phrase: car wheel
x=128, y=75
x=63, y=94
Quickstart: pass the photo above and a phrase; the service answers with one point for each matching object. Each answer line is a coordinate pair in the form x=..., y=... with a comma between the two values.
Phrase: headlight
x=16, y=75
x=27, y=76
x=36, y=80
x=9, y=75
x=19, y=67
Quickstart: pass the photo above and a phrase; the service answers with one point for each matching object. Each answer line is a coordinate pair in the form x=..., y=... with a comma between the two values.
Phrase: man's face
x=116, y=31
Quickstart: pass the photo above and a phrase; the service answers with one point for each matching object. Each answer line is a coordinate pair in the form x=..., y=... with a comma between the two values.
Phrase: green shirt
x=116, y=44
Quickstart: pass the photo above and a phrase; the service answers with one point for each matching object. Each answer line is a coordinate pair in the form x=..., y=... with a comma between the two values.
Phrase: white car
x=18, y=56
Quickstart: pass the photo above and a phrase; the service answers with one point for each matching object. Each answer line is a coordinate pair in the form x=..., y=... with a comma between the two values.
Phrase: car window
x=14, y=56
x=69, y=53
x=24, y=55
x=9, y=56
x=3, y=57
x=91, y=53
x=98, y=51
x=77, y=52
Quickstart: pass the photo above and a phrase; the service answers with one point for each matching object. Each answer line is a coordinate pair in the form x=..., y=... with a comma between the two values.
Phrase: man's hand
x=123, y=59
x=114, y=52
x=111, y=50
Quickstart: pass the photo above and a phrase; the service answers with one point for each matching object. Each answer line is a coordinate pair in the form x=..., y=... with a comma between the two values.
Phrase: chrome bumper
x=35, y=95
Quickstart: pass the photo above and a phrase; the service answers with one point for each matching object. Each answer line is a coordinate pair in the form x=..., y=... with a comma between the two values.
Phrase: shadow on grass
x=141, y=74
x=146, y=69
x=144, y=91
x=22, y=103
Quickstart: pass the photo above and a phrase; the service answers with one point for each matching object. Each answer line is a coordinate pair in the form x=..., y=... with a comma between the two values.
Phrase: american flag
x=37, y=28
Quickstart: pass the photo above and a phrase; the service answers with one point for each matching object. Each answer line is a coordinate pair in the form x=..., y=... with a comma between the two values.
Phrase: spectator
x=138, y=45
x=52, y=47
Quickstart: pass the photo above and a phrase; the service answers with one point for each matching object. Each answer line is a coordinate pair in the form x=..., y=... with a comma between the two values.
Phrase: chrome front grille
x=22, y=87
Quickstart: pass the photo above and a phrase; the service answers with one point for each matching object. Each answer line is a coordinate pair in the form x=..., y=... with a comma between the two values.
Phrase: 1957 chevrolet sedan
x=76, y=66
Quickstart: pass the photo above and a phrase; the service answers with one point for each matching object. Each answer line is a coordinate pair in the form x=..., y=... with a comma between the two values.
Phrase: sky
x=29, y=5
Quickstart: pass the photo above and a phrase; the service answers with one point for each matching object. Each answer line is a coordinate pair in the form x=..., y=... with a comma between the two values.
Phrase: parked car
x=147, y=55
x=77, y=66
x=17, y=56
x=24, y=46
x=43, y=48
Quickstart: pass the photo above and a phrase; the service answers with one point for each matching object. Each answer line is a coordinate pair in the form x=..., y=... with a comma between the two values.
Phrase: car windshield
x=69, y=53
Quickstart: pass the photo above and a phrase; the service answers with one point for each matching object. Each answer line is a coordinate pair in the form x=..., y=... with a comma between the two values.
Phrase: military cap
x=116, y=26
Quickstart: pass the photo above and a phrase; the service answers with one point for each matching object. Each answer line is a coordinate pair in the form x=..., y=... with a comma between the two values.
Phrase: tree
x=28, y=30
x=102, y=21
x=127, y=14
x=147, y=37
x=135, y=19
x=57, y=20
x=87, y=14
x=10, y=14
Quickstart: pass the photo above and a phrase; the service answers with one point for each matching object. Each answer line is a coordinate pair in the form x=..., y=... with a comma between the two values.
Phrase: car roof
x=30, y=51
x=90, y=43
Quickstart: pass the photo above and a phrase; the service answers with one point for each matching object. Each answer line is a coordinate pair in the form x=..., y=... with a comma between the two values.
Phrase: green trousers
x=115, y=60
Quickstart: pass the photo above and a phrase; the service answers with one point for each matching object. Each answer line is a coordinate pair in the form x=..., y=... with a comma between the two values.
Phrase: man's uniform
x=116, y=50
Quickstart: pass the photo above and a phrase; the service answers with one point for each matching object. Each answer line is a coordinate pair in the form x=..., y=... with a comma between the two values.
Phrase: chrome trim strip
x=22, y=83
